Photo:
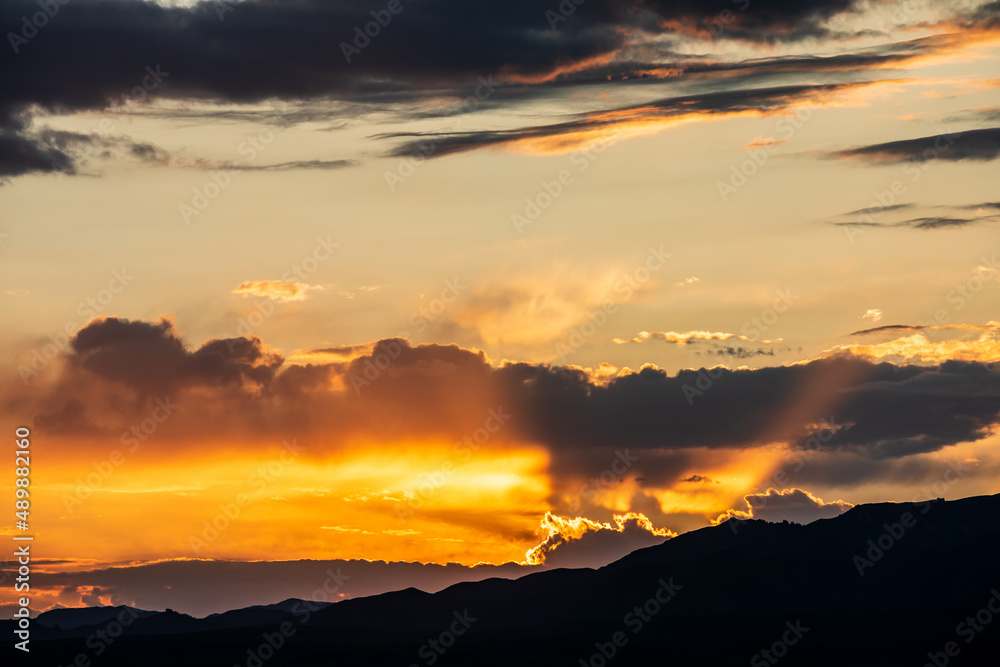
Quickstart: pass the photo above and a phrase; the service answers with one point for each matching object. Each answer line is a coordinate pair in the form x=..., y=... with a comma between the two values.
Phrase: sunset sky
x=494, y=280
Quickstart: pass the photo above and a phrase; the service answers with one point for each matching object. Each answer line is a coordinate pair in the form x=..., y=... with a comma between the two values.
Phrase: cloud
x=580, y=542
x=889, y=328
x=941, y=222
x=991, y=115
x=917, y=348
x=925, y=223
x=292, y=166
x=908, y=328
x=340, y=352
x=763, y=142
x=59, y=151
x=697, y=478
x=132, y=50
x=867, y=217
x=873, y=314
x=880, y=209
x=970, y=145
x=276, y=290
x=612, y=124
x=686, y=337
x=526, y=309
x=428, y=44
x=344, y=529
x=150, y=358
x=982, y=206
x=20, y=154
x=398, y=391
x=794, y=505
x=741, y=352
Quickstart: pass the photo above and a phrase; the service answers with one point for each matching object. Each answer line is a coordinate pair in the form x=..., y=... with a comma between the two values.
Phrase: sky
x=516, y=283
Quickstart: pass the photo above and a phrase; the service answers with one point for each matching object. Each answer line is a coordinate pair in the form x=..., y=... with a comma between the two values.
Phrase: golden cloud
x=276, y=290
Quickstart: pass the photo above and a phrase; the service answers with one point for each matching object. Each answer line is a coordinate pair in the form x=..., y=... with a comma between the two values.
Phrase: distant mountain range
x=883, y=584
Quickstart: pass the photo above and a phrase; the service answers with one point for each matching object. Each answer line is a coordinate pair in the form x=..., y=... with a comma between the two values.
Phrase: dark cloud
x=987, y=11
x=987, y=204
x=701, y=68
x=264, y=50
x=257, y=49
x=445, y=391
x=291, y=166
x=889, y=328
x=850, y=470
x=707, y=104
x=20, y=154
x=939, y=222
x=697, y=478
x=974, y=145
x=902, y=328
x=991, y=115
x=866, y=217
x=743, y=352
x=880, y=209
x=891, y=411
x=926, y=222
x=794, y=505
x=152, y=359
x=47, y=150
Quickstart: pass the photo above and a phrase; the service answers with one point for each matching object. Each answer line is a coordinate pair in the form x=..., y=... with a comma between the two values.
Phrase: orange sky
x=619, y=294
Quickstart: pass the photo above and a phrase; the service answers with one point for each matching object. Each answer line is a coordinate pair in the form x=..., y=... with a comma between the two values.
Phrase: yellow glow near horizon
x=389, y=498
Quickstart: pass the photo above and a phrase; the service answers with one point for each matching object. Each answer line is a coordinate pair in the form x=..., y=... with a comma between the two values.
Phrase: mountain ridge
x=837, y=576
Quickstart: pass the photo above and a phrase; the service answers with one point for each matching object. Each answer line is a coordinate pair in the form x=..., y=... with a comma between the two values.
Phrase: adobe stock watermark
x=759, y=152
x=752, y=328
x=725, y=18
x=152, y=80
x=386, y=352
x=223, y=7
x=274, y=641
x=424, y=315
x=968, y=629
x=131, y=439
x=894, y=532
x=88, y=308
x=822, y=433
x=962, y=293
x=635, y=620
x=626, y=286
x=101, y=640
x=620, y=464
x=551, y=190
x=779, y=649
x=31, y=25
x=463, y=450
x=220, y=179
x=562, y=12
x=259, y=480
x=425, y=149
x=265, y=308
x=434, y=648
x=886, y=200
x=381, y=18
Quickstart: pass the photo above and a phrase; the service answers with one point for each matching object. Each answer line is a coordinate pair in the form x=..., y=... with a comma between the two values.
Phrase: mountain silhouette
x=882, y=584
